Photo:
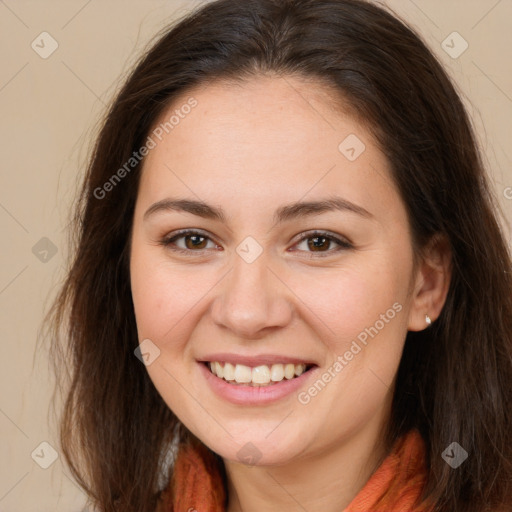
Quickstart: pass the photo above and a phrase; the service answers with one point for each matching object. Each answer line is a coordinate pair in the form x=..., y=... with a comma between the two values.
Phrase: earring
x=428, y=320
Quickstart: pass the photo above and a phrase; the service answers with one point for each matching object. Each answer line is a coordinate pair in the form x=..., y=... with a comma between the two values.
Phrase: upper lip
x=252, y=361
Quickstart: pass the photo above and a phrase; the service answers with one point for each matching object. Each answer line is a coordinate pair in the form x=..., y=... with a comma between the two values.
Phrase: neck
x=328, y=479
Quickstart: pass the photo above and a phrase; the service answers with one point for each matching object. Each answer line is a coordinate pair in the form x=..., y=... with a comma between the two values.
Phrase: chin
x=256, y=447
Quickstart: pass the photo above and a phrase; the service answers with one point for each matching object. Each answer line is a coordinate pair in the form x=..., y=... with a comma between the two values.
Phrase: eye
x=188, y=241
x=317, y=242
x=320, y=242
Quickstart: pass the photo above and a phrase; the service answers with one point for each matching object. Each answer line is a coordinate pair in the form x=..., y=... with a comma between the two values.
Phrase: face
x=298, y=258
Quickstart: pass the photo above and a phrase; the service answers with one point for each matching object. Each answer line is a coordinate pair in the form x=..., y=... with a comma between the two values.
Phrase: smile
x=251, y=381
x=262, y=375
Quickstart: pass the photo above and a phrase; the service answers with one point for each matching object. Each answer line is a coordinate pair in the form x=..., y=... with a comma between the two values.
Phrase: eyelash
x=344, y=244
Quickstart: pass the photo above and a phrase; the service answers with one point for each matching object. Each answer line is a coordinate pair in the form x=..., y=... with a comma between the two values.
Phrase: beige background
x=49, y=111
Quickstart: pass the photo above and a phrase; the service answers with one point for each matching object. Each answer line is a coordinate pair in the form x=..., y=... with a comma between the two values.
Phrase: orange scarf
x=395, y=486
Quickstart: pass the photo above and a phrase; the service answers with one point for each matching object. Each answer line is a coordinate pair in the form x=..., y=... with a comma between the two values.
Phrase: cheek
x=348, y=300
x=164, y=295
x=165, y=301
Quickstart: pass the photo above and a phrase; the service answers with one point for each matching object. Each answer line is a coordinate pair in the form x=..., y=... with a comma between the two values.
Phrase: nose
x=252, y=300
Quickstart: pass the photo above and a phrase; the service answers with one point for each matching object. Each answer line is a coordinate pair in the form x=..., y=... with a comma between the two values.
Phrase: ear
x=431, y=283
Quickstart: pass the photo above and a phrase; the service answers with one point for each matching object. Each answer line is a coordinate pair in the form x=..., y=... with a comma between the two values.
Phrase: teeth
x=289, y=371
x=218, y=369
x=299, y=369
x=260, y=375
x=243, y=373
x=229, y=371
x=277, y=372
x=257, y=376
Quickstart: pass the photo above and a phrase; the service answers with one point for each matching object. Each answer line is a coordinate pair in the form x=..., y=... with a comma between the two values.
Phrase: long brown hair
x=454, y=380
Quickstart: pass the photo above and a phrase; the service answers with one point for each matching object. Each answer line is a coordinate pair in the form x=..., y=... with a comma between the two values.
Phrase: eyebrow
x=284, y=213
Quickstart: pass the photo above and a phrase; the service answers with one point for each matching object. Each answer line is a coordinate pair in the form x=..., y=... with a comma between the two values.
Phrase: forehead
x=263, y=139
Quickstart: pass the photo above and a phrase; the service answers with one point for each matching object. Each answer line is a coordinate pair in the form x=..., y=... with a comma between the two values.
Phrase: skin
x=249, y=148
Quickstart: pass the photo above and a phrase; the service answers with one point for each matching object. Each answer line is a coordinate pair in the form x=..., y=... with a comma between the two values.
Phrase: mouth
x=262, y=375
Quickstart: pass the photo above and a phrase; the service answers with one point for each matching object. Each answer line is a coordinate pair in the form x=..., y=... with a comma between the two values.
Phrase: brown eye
x=194, y=241
x=321, y=243
x=188, y=241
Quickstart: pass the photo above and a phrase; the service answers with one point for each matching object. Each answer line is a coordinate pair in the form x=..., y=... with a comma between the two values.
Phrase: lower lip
x=254, y=395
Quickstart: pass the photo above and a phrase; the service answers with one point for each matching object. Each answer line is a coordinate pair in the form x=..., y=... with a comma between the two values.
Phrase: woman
x=290, y=289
